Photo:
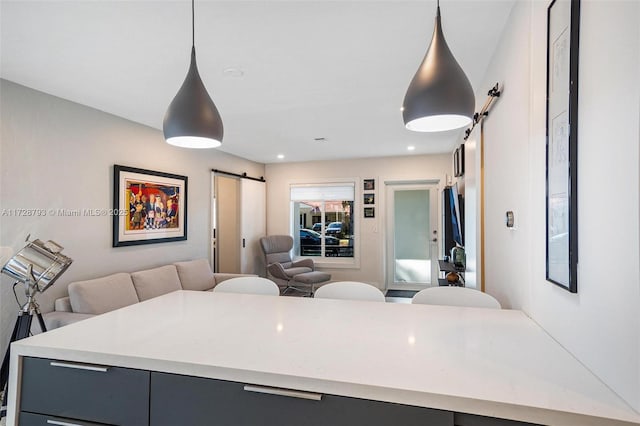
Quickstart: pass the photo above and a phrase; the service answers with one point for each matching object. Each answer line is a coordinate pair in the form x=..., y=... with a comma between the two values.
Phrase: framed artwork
x=153, y=206
x=369, y=198
x=369, y=184
x=369, y=212
x=456, y=162
x=563, y=30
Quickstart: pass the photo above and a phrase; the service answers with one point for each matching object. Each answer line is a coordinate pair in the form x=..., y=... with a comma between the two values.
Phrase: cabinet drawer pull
x=284, y=392
x=59, y=423
x=79, y=366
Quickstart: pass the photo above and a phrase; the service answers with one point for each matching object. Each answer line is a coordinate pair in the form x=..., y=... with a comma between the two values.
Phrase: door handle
x=243, y=243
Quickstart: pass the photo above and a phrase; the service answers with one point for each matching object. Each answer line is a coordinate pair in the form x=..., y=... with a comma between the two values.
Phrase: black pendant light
x=440, y=96
x=192, y=120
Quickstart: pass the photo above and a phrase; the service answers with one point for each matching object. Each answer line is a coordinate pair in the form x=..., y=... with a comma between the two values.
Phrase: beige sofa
x=94, y=297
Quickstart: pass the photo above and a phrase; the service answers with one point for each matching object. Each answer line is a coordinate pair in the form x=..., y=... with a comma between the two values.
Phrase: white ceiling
x=332, y=69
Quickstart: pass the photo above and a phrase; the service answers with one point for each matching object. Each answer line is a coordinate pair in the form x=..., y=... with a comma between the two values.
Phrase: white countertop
x=496, y=363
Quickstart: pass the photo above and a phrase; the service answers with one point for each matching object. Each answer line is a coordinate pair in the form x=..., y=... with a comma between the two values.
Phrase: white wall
x=372, y=243
x=600, y=325
x=506, y=146
x=58, y=154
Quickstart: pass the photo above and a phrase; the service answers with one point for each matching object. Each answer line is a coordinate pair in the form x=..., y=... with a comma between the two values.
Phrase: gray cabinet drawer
x=193, y=401
x=30, y=419
x=111, y=395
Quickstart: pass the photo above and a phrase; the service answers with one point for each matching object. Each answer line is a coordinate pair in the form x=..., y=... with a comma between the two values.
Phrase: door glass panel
x=412, y=244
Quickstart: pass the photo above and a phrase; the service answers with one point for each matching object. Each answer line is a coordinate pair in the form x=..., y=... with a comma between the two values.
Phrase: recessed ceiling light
x=280, y=156
x=411, y=148
x=233, y=72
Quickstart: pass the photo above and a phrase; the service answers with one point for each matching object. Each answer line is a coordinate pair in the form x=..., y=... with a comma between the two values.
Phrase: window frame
x=323, y=261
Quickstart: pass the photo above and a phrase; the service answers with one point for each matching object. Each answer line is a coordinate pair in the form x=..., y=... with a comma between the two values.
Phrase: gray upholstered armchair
x=288, y=274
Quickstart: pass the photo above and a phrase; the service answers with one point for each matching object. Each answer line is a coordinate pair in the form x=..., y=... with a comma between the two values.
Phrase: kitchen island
x=232, y=358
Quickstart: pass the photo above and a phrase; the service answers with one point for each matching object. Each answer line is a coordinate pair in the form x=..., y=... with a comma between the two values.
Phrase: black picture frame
x=138, y=220
x=456, y=162
x=369, y=212
x=563, y=39
x=369, y=198
x=369, y=184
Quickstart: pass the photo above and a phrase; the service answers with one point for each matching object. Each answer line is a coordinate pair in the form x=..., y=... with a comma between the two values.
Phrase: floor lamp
x=38, y=265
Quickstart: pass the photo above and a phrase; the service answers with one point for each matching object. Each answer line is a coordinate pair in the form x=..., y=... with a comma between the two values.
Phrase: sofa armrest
x=63, y=304
x=307, y=263
x=57, y=319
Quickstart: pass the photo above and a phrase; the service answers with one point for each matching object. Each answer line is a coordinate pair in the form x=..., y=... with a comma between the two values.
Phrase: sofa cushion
x=155, y=282
x=102, y=295
x=195, y=275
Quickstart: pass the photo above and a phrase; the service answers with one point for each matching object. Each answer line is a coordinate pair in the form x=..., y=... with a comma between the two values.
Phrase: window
x=323, y=220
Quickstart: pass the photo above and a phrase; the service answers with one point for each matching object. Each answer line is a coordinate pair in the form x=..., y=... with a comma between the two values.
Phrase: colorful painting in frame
x=154, y=206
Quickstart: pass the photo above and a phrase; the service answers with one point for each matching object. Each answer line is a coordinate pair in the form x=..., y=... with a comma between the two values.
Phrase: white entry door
x=412, y=235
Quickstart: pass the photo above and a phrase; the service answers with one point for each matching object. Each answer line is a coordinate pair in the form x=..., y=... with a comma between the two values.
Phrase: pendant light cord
x=193, y=24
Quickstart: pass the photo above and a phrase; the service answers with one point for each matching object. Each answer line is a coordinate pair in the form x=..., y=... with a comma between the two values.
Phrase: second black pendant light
x=192, y=119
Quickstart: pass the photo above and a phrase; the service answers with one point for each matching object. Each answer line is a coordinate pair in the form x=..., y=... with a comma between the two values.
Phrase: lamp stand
x=20, y=331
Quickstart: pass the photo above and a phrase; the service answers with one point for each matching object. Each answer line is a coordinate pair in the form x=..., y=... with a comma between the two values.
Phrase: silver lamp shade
x=192, y=119
x=39, y=263
x=440, y=96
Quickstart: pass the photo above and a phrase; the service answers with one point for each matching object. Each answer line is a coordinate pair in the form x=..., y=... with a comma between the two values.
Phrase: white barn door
x=253, y=225
x=238, y=222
